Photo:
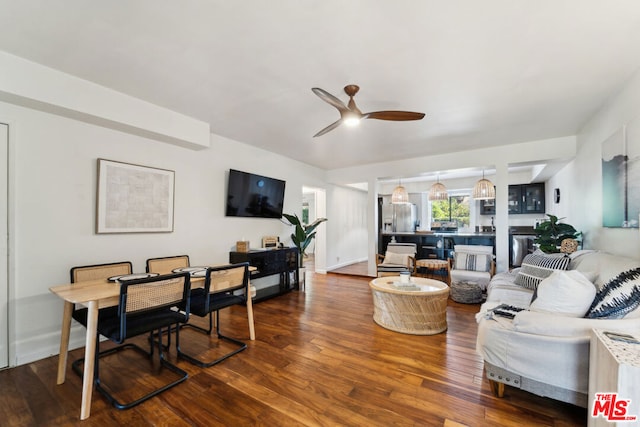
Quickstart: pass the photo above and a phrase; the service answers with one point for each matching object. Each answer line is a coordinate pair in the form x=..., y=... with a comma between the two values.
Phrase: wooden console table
x=270, y=262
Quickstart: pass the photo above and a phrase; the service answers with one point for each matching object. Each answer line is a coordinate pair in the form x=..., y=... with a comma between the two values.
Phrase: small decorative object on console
x=270, y=241
x=242, y=246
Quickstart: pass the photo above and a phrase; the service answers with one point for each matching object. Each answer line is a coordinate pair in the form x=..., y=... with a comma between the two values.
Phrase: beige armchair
x=473, y=263
x=398, y=258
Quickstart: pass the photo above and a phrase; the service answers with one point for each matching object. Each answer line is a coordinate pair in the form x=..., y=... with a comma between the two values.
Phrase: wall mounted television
x=251, y=195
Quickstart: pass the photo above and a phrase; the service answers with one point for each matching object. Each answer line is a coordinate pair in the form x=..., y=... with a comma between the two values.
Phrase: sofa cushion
x=564, y=293
x=618, y=297
x=538, y=266
x=472, y=262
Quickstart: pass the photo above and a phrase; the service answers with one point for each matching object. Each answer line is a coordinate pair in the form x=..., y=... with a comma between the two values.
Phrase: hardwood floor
x=318, y=360
x=356, y=269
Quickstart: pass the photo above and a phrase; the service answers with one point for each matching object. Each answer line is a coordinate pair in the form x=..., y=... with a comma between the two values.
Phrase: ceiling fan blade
x=397, y=116
x=330, y=99
x=329, y=128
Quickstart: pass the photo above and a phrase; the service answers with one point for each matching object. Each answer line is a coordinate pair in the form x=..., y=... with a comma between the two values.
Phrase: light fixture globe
x=484, y=189
x=399, y=195
x=438, y=192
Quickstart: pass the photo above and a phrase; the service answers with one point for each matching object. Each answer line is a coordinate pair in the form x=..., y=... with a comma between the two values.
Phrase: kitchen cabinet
x=522, y=199
x=488, y=207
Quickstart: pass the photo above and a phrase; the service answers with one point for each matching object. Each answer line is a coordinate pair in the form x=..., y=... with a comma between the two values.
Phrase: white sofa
x=545, y=350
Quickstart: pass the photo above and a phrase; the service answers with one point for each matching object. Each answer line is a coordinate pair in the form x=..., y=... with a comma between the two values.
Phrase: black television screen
x=253, y=195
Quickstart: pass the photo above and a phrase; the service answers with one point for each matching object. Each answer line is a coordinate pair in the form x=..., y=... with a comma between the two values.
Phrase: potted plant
x=551, y=233
x=303, y=235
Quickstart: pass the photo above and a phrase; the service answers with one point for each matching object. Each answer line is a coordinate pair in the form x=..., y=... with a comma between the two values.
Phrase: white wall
x=347, y=236
x=585, y=174
x=53, y=172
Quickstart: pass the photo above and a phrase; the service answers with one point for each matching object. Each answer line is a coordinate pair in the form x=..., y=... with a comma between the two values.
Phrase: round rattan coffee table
x=418, y=307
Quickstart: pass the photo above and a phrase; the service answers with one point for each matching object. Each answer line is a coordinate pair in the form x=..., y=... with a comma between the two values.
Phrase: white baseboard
x=344, y=264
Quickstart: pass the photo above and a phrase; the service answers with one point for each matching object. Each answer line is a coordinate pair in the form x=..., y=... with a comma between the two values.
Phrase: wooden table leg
x=89, y=359
x=252, y=330
x=64, y=342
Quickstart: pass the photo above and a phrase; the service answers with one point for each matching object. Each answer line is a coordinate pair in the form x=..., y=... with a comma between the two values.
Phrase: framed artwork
x=133, y=198
x=621, y=177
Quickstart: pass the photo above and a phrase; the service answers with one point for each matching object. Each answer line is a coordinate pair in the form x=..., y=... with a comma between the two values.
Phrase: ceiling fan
x=351, y=115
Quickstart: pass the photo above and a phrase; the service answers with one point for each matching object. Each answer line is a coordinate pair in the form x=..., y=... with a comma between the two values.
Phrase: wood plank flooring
x=318, y=360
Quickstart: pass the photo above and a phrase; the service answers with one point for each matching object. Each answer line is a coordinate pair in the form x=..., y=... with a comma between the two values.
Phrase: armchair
x=473, y=263
x=398, y=258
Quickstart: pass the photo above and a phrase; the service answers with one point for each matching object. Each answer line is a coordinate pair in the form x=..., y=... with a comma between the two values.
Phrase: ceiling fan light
x=399, y=195
x=438, y=192
x=351, y=121
x=484, y=190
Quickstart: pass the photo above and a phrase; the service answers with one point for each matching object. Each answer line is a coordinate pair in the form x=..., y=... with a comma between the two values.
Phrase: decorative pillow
x=538, y=266
x=395, y=258
x=565, y=293
x=472, y=262
x=619, y=296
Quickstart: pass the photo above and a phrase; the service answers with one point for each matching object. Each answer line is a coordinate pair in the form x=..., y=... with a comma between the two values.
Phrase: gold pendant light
x=438, y=191
x=484, y=189
x=399, y=194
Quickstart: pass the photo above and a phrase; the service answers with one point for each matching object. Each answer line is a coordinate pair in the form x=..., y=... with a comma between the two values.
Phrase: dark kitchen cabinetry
x=531, y=198
x=280, y=263
x=439, y=246
x=523, y=199
x=488, y=207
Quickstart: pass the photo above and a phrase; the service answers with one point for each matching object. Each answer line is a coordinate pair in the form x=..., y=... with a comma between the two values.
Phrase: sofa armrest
x=546, y=324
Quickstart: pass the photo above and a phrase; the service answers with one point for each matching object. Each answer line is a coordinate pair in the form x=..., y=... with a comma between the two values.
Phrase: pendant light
x=484, y=189
x=438, y=191
x=399, y=194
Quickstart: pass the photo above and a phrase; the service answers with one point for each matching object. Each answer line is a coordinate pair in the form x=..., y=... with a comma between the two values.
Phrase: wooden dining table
x=97, y=294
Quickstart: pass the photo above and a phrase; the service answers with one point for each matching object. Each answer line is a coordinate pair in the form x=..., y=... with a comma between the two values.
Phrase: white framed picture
x=134, y=198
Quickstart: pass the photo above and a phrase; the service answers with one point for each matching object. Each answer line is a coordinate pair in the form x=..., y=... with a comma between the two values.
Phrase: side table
x=614, y=377
x=437, y=269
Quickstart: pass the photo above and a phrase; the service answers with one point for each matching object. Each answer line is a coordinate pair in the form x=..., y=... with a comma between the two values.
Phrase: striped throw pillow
x=538, y=266
x=472, y=262
x=617, y=297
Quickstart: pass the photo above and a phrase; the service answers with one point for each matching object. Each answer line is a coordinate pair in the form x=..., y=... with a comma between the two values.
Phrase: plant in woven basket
x=551, y=233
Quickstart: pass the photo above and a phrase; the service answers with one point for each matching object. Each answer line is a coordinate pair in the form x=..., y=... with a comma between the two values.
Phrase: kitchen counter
x=441, y=234
x=438, y=245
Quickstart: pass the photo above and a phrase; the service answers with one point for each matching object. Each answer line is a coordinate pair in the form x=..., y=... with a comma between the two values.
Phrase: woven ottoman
x=466, y=292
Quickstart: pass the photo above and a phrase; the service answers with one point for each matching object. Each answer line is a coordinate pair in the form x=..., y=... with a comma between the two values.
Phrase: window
x=456, y=209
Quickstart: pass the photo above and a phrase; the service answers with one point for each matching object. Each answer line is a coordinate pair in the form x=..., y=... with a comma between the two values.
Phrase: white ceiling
x=486, y=73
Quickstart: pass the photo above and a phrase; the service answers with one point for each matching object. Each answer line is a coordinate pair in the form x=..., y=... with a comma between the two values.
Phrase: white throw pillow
x=472, y=262
x=394, y=258
x=565, y=293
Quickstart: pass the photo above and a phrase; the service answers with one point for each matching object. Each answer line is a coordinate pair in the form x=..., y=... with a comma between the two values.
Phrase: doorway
x=4, y=241
x=314, y=206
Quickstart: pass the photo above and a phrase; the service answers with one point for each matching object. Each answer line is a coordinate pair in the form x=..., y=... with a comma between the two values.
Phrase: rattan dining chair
x=224, y=286
x=87, y=273
x=145, y=305
x=166, y=265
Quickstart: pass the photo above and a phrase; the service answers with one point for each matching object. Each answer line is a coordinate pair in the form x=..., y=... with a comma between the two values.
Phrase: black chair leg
x=240, y=345
x=182, y=375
